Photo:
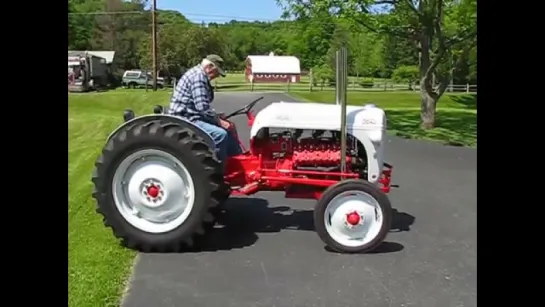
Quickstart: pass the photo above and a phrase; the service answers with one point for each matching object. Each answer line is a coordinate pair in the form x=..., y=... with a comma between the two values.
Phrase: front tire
x=182, y=169
x=353, y=216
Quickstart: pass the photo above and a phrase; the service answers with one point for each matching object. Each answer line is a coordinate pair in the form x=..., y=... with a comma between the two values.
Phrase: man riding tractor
x=192, y=99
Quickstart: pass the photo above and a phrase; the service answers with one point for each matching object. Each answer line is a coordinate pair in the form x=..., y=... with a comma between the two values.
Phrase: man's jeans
x=226, y=144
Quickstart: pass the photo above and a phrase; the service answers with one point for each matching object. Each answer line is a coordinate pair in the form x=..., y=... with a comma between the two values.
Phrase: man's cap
x=218, y=62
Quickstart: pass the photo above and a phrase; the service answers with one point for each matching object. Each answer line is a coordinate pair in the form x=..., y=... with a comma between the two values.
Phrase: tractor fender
x=167, y=118
x=374, y=152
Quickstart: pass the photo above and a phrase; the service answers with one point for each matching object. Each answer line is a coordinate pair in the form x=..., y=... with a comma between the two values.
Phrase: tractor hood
x=320, y=116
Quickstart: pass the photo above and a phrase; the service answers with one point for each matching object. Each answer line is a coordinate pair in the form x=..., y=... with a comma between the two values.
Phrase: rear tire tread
x=187, y=140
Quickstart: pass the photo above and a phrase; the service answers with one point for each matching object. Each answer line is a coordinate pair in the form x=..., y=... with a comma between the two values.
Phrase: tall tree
x=340, y=38
x=435, y=26
x=366, y=51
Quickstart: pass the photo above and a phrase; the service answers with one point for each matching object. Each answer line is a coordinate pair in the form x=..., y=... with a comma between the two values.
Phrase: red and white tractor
x=159, y=185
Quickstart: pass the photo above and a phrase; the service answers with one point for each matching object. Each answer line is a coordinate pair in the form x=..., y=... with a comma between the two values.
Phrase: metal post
x=147, y=80
x=341, y=89
x=154, y=43
x=337, y=77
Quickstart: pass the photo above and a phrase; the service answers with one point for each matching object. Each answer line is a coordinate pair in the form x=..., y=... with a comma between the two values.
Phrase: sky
x=223, y=10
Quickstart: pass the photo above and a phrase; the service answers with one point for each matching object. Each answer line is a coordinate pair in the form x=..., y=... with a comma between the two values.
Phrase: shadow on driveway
x=246, y=217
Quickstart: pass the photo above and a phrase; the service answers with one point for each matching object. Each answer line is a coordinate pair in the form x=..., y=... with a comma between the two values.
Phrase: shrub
x=406, y=74
x=323, y=76
x=367, y=83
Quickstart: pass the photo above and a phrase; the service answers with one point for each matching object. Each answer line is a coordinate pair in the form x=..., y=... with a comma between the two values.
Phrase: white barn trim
x=264, y=64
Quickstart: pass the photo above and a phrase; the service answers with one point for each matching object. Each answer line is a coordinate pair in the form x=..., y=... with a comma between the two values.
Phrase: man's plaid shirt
x=192, y=97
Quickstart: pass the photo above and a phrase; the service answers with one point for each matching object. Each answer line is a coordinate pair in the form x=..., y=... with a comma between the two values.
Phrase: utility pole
x=154, y=43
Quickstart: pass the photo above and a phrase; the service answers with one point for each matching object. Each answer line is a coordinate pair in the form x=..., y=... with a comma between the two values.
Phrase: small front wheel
x=353, y=216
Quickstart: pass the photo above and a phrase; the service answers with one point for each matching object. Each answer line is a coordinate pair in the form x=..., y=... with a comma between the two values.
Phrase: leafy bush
x=323, y=76
x=367, y=83
x=406, y=74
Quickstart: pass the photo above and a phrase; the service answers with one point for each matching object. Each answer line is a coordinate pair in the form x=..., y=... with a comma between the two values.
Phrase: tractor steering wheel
x=247, y=108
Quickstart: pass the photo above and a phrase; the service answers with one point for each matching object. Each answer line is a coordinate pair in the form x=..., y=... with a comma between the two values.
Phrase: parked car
x=139, y=78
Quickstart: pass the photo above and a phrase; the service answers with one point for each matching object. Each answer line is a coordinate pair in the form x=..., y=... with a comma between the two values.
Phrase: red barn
x=272, y=68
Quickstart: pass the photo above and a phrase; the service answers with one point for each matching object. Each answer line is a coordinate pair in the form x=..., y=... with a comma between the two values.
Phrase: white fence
x=383, y=85
x=235, y=81
x=298, y=87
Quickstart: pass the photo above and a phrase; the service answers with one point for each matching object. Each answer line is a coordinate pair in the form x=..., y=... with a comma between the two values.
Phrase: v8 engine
x=306, y=149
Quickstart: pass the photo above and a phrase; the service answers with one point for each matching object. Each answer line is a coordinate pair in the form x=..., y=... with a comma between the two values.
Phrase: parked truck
x=139, y=78
x=86, y=72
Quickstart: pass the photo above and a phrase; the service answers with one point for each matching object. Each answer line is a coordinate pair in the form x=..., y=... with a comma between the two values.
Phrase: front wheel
x=353, y=216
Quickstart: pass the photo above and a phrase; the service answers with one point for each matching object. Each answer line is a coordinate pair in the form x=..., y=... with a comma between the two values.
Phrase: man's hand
x=225, y=124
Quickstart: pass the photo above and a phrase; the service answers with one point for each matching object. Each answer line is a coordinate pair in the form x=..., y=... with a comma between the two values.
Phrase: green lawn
x=456, y=122
x=97, y=266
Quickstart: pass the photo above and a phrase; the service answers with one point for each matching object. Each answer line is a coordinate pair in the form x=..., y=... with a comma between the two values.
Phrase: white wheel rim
x=368, y=212
x=153, y=212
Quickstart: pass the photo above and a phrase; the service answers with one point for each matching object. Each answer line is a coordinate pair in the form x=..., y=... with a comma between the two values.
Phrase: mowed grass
x=98, y=267
x=456, y=118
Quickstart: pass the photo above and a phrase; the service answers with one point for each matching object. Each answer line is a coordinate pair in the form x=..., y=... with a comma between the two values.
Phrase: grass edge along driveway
x=98, y=267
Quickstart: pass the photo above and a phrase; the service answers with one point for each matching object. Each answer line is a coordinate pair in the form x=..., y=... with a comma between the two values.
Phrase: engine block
x=319, y=149
x=315, y=152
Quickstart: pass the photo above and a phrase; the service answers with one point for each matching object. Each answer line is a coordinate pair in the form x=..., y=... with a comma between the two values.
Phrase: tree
x=340, y=38
x=397, y=51
x=436, y=27
x=406, y=74
x=366, y=54
x=323, y=75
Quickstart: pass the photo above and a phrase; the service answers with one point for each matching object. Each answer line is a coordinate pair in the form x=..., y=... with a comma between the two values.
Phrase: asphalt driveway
x=268, y=255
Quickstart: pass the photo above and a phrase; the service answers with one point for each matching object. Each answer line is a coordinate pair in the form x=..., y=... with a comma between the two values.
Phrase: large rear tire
x=222, y=194
x=353, y=216
x=183, y=172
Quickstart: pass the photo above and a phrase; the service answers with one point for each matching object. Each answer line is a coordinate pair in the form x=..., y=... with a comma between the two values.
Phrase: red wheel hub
x=353, y=218
x=153, y=191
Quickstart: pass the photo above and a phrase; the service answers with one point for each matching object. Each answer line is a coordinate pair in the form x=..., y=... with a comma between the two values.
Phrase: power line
x=110, y=13
x=234, y=17
x=154, y=42
x=224, y=24
x=217, y=18
x=184, y=14
x=252, y=22
x=210, y=18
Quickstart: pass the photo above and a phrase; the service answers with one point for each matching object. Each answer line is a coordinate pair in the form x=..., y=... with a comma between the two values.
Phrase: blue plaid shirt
x=192, y=97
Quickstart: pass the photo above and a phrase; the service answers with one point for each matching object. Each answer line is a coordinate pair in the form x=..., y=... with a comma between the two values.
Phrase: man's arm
x=201, y=97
